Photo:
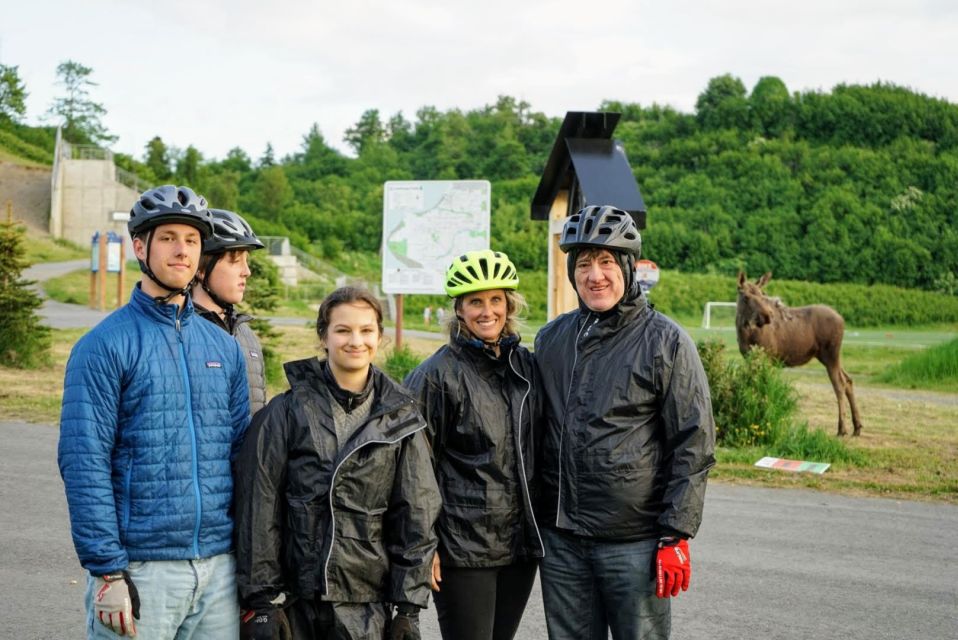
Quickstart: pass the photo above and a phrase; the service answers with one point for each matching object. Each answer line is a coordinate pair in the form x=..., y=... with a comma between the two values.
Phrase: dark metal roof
x=584, y=151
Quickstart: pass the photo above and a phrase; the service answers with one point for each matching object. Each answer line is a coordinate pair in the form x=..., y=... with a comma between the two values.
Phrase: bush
x=751, y=401
x=755, y=409
x=399, y=362
x=25, y=342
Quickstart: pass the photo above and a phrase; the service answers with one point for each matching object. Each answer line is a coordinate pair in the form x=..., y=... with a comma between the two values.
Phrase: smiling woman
x=336, y=467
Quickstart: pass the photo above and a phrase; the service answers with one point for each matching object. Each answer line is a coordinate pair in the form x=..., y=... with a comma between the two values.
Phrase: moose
x=795, y=335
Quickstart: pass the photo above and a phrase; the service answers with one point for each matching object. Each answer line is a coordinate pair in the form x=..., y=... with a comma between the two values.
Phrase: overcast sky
x=224, y=73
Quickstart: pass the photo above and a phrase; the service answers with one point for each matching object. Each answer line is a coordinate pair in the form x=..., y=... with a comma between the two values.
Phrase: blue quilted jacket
x=154, y=409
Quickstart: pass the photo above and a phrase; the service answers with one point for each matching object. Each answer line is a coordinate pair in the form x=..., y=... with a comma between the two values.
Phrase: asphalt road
x=767, y=563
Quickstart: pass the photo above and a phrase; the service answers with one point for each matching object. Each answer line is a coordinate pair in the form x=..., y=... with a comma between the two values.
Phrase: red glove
x=673, y=567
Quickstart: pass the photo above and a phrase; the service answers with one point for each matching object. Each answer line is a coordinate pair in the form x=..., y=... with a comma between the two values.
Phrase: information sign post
x=426, y=224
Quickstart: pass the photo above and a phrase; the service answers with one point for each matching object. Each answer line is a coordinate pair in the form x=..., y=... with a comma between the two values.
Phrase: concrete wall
x=27, y=189
x=88, y=194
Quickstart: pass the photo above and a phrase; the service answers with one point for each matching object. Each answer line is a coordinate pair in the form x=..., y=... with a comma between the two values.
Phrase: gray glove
x=116, y=604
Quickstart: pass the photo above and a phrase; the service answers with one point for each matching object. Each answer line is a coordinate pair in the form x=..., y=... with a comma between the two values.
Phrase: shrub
x=751, y=401
x=399, y=362
x=755, y=411
x=25, y=342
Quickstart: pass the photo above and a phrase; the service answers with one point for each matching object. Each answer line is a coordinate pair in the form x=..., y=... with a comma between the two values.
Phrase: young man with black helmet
x=627, y=445
x=221, y=284
x=155, y=406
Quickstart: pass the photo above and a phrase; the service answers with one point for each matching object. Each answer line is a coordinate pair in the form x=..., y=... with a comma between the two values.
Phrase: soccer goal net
x=719, y=315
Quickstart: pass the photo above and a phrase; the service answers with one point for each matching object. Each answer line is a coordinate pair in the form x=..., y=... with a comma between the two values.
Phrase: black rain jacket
x=353, y=525
x=629, y=436
x=483, y=414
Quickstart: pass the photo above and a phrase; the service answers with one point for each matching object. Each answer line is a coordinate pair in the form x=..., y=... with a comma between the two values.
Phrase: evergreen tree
x=158, y=159
x=13, y=94
x=80, y=115
x=26, y=343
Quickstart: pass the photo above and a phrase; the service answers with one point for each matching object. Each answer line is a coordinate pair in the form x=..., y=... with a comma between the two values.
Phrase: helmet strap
x=226, y=307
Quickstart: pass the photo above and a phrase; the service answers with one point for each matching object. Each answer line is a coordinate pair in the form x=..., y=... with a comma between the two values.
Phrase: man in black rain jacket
x=627, y=446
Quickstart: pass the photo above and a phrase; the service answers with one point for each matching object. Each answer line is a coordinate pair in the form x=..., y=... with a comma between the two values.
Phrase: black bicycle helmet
x=230, y=233
x=604, y=227
x=170, y=204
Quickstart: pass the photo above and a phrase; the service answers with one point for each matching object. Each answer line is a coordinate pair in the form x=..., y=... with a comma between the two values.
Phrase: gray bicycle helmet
x=603, y=227
x=170, y=204
x=230, y=232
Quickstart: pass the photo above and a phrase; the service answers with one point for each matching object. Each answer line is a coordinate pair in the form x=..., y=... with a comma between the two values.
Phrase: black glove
x=405, y=624
x=268, y=624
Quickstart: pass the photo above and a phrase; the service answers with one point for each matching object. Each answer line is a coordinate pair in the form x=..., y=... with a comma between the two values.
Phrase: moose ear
x=761, y=282
x=741, y=278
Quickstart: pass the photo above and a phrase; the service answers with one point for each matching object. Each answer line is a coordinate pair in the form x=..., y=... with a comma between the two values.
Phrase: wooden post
x=562, y=296
x=101, y=275
x=121, y=275
x=91, y=300
x=399, y=312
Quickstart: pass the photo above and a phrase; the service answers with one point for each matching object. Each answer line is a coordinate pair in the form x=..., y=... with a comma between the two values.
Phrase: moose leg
x=835, y=374
x=850, y=392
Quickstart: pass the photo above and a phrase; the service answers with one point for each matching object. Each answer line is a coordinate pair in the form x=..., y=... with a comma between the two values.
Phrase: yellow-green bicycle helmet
x=480, y=271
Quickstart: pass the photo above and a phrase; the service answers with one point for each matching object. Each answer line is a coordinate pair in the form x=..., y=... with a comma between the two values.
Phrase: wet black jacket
x=237, y=325
x=482, y=413
x=629, y=436
x=356, y=525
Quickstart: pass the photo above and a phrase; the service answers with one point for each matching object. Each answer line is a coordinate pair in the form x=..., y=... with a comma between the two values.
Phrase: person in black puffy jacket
x=478, y=395
x=627, y=444
x=336, y=500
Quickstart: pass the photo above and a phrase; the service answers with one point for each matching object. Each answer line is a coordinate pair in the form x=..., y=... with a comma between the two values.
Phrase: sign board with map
x=427, y=223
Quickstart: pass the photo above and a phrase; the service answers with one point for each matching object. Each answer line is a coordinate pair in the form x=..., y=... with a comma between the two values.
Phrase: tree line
x=857, y=184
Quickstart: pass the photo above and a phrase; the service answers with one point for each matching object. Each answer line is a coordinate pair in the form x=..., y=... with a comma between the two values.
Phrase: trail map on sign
x=425, y=225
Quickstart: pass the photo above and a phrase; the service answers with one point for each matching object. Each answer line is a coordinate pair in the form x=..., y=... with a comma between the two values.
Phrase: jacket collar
x=231, y=321
x=389, y=398
x=636, y=308
x=479, y=351
x=163, y=313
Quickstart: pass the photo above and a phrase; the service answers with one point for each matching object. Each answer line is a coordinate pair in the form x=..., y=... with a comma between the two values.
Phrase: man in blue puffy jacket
x=155, y=406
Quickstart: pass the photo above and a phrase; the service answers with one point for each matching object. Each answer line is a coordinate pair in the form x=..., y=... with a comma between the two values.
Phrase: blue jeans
x=179, y=600
x=591, y=587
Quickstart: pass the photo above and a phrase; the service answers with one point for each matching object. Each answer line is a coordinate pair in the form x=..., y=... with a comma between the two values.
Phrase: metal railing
x=89, y=152
x=130, y=179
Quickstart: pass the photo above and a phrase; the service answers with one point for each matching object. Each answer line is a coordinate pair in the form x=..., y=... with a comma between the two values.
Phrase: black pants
x=483, y=604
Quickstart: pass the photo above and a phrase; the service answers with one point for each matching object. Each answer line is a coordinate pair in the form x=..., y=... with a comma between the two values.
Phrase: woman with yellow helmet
x=478, y=395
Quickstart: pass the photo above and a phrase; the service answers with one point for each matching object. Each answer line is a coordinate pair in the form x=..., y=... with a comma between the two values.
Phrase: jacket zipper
x=332, y=486
x=522, y=463
x=568, y=394
x=189, y=414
